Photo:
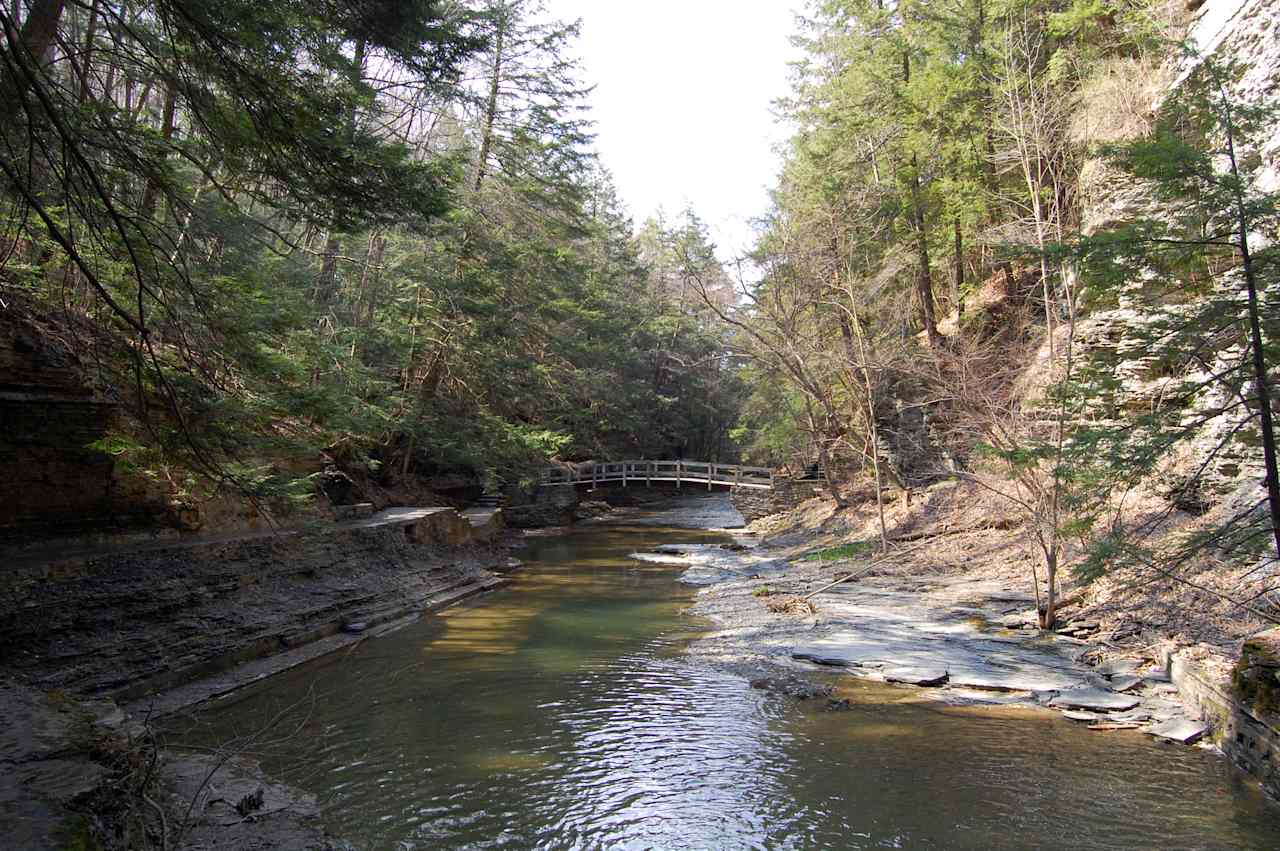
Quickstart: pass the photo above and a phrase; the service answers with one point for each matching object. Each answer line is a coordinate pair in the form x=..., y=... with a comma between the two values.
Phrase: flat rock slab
x=1127, y=667
x=916, y=676
x=1094, y=699
x=1133, y=716
x=1182, y=730
x=1078, y=715
x=1124, y=682
x=868, y=625
x=659, y=558
x=1030, y=678
x=34, y=726
x=684, y=549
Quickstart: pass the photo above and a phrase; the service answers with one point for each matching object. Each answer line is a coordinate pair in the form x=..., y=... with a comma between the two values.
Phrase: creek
x=562, y=712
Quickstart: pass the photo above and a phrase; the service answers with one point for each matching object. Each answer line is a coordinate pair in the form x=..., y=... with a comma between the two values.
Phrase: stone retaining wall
x=545, y=506
x=754, y=503
x=1244, y=734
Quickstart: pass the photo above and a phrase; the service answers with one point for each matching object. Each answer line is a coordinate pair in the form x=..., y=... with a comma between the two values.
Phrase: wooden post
x=595, y=474
x=625, y=464
x=648, y=474
x=711, y=474
x=737, y=476
x=678, y=465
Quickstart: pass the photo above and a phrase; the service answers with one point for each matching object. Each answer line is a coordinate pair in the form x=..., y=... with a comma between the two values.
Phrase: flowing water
x=561, y=713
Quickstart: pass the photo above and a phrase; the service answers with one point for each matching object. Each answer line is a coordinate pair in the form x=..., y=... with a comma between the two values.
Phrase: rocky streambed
x=961, y=640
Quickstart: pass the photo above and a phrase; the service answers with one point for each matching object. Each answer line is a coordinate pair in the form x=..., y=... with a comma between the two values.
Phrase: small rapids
x=562, y=713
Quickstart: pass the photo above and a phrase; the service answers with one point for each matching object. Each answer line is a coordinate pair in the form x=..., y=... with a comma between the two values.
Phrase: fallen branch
x=1001, y=525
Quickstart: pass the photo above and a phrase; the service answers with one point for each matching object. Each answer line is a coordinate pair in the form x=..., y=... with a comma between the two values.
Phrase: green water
x=561, y=713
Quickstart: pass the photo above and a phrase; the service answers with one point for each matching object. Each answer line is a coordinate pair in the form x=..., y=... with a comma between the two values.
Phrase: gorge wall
x=126, y=623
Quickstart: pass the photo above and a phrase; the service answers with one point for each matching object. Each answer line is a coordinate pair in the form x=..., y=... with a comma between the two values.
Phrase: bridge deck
x=647, y=472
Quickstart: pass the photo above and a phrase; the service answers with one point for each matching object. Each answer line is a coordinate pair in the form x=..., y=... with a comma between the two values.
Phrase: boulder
x=445, y=527
x=356, y=511
x=591, y=508
x=792, y=686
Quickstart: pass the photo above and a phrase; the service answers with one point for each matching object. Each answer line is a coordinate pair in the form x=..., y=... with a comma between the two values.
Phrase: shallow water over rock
x=562, y=713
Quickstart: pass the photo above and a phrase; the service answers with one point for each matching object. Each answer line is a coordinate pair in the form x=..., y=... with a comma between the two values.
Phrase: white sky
x=682, y=103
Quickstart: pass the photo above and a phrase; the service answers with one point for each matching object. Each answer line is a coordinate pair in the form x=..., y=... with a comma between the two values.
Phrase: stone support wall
x=1248, y=736
x=545, y=506
x=754, y=503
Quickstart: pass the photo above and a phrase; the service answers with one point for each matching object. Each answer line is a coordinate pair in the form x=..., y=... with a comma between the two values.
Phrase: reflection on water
x=560, y=713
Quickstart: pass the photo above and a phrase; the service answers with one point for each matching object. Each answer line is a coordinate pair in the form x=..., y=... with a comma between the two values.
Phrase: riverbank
x=84, y=775
x=102, y=643
x=585, y=622
x=950, y=612
x=564, y=710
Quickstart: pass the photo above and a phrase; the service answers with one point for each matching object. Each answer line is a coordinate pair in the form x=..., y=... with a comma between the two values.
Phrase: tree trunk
x=168, y=124
x=824, y=456
x=1050, y=614
x=491, y=107
x=28, y=42
x=40, y=29
x=327, y=284
x=957, y=278
x=430, y=383
x=924, y=283
x=1255, y=338
x=873, y=427
x=86, y=61
x=924, y=276
x=370, y=276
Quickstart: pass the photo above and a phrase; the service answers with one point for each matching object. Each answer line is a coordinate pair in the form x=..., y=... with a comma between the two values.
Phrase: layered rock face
x=1223, y=462
x=52, y=483
x=1248, y=33
x=127, y=623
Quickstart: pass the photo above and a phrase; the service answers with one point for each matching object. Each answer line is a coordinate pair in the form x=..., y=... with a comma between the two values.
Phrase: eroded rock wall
x=126, y=623
x=1223, y=460
x=52, y=482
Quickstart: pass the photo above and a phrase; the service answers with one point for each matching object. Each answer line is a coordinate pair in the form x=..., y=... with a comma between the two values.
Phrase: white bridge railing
x=647, y=472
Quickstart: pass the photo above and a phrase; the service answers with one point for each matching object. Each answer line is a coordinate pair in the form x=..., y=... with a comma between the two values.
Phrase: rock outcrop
x=126, y=623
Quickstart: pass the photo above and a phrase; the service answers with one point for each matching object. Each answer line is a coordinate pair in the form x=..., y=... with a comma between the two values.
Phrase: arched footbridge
x=644, y=472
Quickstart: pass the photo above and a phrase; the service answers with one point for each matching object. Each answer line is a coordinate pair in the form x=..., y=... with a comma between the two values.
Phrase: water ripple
x=561, y=715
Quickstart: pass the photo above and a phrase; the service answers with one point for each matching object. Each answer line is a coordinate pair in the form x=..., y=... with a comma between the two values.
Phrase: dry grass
x=1118, y=102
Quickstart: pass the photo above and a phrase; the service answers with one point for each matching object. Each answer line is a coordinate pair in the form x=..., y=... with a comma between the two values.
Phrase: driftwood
x=1107, y=726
